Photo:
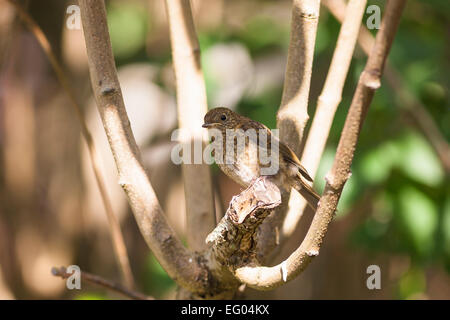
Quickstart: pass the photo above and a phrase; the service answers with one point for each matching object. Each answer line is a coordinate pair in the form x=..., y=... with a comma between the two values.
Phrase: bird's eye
x=223, y=117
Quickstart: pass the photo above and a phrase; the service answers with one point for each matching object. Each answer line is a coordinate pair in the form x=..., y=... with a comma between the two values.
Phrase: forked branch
x=328, y=102
x=180, y=264
x=265, y=278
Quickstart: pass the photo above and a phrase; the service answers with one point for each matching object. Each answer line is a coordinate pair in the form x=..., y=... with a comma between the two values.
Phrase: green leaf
x=410, y=153
x=433, y=91
x=419, y=72
x=262, y=32
x=157, y=281
x=419, y=161
x=377, y=164
x=127, y=25
x=419, y=218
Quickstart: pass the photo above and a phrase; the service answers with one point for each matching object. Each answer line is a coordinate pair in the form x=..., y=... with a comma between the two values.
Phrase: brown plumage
x=246, y=166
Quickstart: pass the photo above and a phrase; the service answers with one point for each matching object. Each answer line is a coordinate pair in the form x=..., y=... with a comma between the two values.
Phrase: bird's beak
x=208, y=125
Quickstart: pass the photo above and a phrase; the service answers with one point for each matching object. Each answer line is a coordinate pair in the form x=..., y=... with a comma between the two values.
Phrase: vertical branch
x=265, y=278
x=192, y=106
x=369, y=81
x=328, y=101
x=179, y=263
x=120, y=249
x=293, y=113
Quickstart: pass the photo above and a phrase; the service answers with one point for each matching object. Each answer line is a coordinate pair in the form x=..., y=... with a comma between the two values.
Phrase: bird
x=244, y=165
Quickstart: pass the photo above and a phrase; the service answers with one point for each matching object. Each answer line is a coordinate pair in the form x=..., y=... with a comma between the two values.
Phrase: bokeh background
x=395, y=209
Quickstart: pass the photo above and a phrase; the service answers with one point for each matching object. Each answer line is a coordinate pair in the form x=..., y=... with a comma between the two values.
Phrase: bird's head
x=221, y=118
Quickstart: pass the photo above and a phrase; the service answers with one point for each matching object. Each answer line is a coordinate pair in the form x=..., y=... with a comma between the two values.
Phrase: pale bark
x=265, y=278
x=180, y=264
x=232, y=255
x=192, y=106
x=293, y=113
x=328, y=102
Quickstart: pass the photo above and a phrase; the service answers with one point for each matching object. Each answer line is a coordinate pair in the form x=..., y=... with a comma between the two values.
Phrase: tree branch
x=328, y=102
x=92, y=278
x=408, y=101
x=120, y=249
x=233, y=241
x=265, y=278
x=180, y=264
x=293, y=113
x=192, y=106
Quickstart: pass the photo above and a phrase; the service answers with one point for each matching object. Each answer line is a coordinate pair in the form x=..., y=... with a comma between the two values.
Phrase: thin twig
x=181, y=264
x=408, y=101
x=265, y=278
x=192, y=106
x=102, y=282
x=328, y=102
x=114, y=226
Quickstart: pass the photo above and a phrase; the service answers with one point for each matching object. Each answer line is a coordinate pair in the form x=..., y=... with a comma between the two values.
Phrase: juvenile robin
x=244, y=165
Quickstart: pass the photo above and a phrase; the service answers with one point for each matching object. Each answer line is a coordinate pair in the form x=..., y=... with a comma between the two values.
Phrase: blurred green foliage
x=127, y=23
x=156, y=281
x=91, y=296
x=395, y=169
x=412, y=284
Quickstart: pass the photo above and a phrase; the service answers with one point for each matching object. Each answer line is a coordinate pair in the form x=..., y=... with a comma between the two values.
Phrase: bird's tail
x=307, y=192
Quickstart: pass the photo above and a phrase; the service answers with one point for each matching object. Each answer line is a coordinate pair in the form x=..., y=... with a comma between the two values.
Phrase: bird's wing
x=286, y=152
x=289, y=156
